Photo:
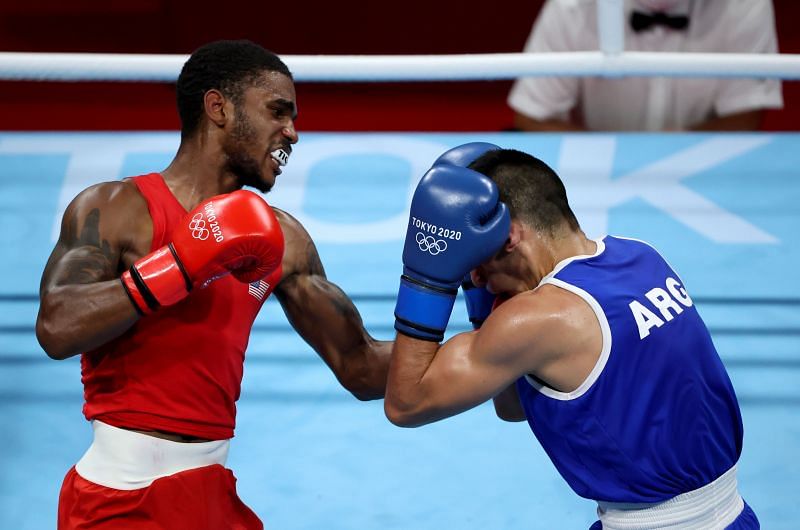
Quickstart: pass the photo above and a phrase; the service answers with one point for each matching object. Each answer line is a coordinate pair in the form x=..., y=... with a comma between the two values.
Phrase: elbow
x=50, y=337
x=362, y=391
x=365, y=395
x=48, y=340
x=397, y=417
x=401, y=416
x=364, y=383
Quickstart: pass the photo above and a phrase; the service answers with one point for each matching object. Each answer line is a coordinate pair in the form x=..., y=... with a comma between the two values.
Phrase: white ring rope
x=165, y=68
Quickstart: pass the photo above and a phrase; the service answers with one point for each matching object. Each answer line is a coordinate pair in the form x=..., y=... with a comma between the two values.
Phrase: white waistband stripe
x=128, y=460
x=714, y=506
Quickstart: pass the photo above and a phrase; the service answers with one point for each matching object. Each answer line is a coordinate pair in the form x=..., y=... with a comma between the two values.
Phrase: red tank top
x=180, y=369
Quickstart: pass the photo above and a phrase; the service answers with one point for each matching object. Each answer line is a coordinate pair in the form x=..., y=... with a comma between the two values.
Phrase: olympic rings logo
x=198, y=227
x=431, y=244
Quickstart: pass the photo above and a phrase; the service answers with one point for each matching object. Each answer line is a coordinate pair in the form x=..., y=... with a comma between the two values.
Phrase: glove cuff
x=137, y=292
x=156, y=280
x=423, y=310
x=479, y=303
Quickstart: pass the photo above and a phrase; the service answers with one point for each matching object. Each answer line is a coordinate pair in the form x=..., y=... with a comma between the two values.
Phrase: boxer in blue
x=596, y=343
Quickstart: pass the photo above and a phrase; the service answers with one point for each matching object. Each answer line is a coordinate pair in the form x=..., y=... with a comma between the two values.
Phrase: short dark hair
x=533, y=192
x=229, y=66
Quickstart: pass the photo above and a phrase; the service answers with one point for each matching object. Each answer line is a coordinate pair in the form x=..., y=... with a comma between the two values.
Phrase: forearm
x=329, y=322
x=77, y=318
x=359, y=362
x=467, y=203
x=405, y=391
x=370, y=381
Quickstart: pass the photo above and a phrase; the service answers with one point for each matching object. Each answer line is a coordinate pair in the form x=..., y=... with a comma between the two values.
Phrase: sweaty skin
x=547, y=332
x=107, y=227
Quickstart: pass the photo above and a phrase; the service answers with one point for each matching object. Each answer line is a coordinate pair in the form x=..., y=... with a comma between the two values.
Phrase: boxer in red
x=156, y=281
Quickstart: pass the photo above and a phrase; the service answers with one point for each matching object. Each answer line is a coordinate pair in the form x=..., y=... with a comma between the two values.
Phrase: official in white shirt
x=650, y=103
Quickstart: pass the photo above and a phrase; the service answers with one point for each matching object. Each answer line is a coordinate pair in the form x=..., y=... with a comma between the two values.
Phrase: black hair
x=229, y=66
x=533, y=192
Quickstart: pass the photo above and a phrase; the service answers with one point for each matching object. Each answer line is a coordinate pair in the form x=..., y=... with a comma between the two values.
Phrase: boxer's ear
x=514, y=236
x=217, y=107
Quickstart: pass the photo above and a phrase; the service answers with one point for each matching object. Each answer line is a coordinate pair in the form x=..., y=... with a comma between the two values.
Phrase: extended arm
x=548, y=333
x=428, y=382
x=83, y=303
x=327, y=319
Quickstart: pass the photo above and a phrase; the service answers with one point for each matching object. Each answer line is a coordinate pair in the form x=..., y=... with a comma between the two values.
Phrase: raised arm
x=429, y=382
x=549, y=333
x=82, y=302
x=326, y=318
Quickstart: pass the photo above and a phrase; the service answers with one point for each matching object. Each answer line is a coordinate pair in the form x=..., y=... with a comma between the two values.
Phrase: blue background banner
x=723, y=209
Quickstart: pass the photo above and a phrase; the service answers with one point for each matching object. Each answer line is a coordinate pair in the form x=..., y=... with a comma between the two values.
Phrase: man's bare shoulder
x=300, y=254
x=554, y=307
x=104, y=228
x=116, y=210
x=121, y=197
x=292, y=228
x=544, y=305
x=543, y=322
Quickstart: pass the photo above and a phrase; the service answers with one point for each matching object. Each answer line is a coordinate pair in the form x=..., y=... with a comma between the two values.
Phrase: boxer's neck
x=197, y=172
x=542, y=252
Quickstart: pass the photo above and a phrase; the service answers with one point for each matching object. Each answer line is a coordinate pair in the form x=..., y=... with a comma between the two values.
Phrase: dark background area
x=356, y=27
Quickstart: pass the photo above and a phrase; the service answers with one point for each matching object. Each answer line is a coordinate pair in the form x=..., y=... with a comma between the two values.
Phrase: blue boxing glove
x=479, y=301
x=465, y=154
x=456, y=223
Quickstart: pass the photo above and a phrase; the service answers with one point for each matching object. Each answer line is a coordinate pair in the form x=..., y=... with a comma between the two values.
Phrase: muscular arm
x=82, y=302
x=549, y=333
x=429, y=382
x=327, y=319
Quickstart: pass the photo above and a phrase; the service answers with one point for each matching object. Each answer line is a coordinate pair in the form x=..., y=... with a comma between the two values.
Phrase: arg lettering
x=663, y=305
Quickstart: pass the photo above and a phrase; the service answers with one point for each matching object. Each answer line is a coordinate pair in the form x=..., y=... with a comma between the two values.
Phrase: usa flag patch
x=258, y=289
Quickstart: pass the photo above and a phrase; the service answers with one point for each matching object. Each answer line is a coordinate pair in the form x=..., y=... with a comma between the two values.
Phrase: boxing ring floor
x=722, y=208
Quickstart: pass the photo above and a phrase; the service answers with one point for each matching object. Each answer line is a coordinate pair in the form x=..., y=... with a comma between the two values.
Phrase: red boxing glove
x=236, y=233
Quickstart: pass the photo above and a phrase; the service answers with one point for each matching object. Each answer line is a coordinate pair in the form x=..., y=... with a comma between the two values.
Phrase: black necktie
x=643, y=21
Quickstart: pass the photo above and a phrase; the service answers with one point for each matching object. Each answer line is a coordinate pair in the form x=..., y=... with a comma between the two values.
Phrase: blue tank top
x=657, y=416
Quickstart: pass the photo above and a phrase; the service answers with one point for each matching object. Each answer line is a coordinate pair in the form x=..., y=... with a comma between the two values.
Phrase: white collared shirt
x=654, y=103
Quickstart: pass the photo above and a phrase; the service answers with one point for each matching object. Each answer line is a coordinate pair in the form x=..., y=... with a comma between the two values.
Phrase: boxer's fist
x=478, y=300
x=235, y=233
x=456, y=222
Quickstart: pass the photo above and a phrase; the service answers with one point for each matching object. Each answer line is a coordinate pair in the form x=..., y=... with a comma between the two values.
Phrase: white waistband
x=128, y=460
x=714, y=506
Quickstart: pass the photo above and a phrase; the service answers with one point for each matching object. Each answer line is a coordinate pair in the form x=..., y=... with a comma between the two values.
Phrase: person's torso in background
x=659, y=103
